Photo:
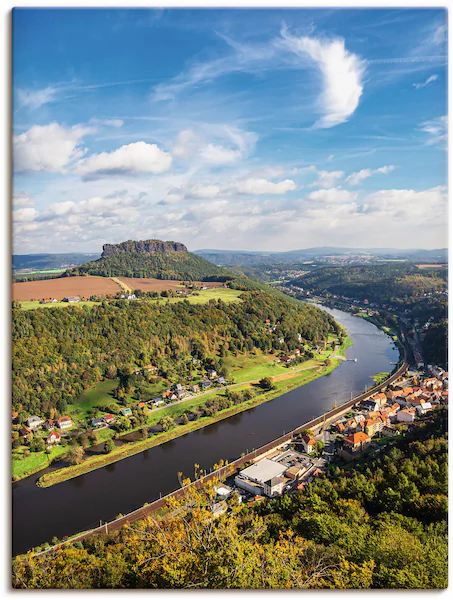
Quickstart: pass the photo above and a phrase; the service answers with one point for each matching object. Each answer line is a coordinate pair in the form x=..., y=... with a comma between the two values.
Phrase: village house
x=406, y=415
x=33, y=422
x=141, y=405
x=97, y=422
x=422, y=409
x=340, y=427
x=433, y=383
x=380, y=398
x=356, y=442
x=206, y=384
x=195, y=388
x=53, y=438
x=72, y=299
x=126, y=412
x=370, y=405
x=109, y=418
x=212, y=373
x=221, y=380
x=64, y=422
x=49, y=424
x=389, y=431
x=25, y=432
x=308, y=444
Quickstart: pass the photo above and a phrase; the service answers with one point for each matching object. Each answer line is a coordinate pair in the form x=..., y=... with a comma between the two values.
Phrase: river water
x=80, y=503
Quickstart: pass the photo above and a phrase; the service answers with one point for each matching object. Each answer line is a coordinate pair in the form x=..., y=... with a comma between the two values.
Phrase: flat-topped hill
x=151, y=259
x=146, y=246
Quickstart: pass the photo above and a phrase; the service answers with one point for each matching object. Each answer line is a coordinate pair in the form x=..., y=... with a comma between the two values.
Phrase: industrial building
x=270, y=475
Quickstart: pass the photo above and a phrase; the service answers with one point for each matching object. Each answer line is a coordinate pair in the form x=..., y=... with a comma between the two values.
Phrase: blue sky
x=238, y=129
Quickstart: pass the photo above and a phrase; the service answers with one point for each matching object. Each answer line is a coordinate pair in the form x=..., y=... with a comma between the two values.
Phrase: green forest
x=57, y=354
x=380, y=523
x=388, y=283
x=159, y=265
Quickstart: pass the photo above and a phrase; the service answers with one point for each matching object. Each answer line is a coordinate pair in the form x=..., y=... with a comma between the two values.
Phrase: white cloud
x=440, y=35
x=138, y=157
x=22, y=199
x=257, y=187
x=342, y=73
x=327, y=179
x=431, y=79
x=332, y=196
x=48, y=148
x=356, y=178
x=24, y=215
x=216, y=145
x=34, y=99
x=436, y=130
x=409, y=206
x=203, y=191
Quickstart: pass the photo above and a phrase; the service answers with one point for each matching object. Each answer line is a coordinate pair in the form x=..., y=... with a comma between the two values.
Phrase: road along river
x=79, y=504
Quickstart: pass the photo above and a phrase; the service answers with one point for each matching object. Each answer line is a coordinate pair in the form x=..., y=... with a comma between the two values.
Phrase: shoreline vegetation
x=285, y=385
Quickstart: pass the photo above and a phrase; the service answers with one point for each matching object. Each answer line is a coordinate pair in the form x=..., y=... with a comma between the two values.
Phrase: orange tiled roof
x=357, y=438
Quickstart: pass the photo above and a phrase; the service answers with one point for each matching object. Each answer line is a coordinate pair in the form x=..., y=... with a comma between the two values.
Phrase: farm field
x=204, y=296
x=431, y=266
x=33, y=304
x=62, y=287
x=160, y=285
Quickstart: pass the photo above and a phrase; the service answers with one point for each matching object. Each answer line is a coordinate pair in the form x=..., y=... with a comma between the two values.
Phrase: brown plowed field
x=159, y=285
x=66, y=286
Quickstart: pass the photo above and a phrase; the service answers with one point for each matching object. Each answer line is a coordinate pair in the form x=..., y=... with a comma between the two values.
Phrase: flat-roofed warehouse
x=264, y=476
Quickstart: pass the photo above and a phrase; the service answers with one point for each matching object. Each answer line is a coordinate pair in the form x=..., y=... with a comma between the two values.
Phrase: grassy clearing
x=380, y=377
x=36, y=461
x=33, y=304
x=225, y=294
x=253, y=366
x=99, y=395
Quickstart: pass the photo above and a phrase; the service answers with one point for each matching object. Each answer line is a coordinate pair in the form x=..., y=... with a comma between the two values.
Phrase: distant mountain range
x=236, y=257
x=245, y=258
x=51, y=261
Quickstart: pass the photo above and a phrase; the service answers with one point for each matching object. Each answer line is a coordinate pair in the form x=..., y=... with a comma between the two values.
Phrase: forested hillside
x=151, y=258
x=381, y=524
x=59, y=353
x=389, y=283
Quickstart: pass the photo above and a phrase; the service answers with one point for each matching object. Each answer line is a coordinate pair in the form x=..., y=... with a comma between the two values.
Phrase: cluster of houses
x=380, y=413
x=178, y=391
x=55, y=427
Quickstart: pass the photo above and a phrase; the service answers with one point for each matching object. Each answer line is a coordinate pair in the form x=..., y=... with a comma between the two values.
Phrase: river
x=79, y=504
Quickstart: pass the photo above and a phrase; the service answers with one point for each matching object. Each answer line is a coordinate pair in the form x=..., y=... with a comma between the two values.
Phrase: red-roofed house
x=64, y=422
x=108, y=418
x=53, y=438
x=309, y=444
x=356, y=442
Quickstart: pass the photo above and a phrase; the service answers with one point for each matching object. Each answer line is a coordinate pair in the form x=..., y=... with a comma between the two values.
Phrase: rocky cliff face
x=148, y=246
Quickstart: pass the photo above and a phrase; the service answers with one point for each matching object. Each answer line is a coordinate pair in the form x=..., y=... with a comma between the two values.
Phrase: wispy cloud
x=431, y=79
x=342, y=73
x=356, y=178
x=35, y=98
x=436, y=130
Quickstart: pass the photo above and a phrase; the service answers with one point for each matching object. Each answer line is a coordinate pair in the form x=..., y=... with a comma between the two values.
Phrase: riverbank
x=290, y=382
x=226, y=469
